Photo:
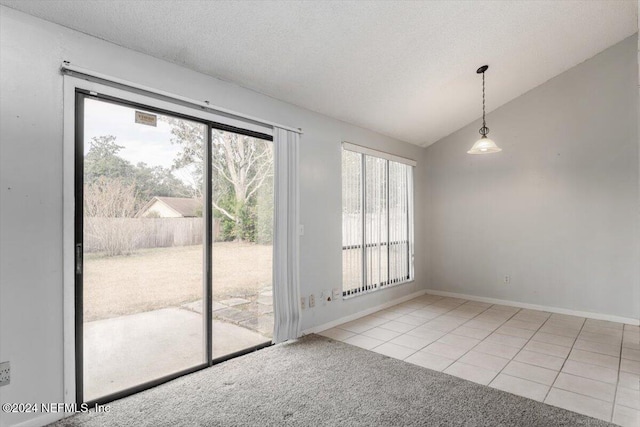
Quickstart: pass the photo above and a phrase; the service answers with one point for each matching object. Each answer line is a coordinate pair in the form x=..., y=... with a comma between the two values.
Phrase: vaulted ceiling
x=404, y=69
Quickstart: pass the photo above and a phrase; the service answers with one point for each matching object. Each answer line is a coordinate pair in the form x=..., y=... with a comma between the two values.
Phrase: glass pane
x=351, y=221
x=243, y=209
x=143, y=247
x=399, y=257
x=376, y=221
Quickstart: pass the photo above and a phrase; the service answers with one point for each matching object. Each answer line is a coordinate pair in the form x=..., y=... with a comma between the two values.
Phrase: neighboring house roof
x=184, y=206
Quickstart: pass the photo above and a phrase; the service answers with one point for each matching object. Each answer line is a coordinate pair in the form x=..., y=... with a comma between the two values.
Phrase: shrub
x=107, y=202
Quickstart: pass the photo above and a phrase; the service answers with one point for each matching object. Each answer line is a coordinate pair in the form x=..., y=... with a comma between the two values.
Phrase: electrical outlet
x=312, y=301
x=507, y=279
x=325, y=297
x=336, y=294
x=303, y=303
x=5, y=373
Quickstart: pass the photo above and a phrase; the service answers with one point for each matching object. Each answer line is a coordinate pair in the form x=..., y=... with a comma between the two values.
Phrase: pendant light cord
x=484, y=130
x=484, y=123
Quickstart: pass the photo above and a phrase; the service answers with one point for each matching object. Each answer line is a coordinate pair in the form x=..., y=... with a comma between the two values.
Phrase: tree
x=114, y=192
x=158, y=181
x=103, y=161
x=108, y=203
x=241, y=166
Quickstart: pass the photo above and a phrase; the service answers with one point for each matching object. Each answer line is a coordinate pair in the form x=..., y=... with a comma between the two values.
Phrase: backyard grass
x=168, y=277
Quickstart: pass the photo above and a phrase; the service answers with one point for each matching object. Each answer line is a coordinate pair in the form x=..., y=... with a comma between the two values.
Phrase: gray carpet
x=316, y=381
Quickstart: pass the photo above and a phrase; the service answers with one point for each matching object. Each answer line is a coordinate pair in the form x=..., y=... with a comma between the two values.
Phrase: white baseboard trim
x=587, y=314
x=340, y=321
x=42, y=420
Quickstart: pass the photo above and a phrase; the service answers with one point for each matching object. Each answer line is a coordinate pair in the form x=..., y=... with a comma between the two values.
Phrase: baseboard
x=42, y=420
x=587, y=314
x=362, y=313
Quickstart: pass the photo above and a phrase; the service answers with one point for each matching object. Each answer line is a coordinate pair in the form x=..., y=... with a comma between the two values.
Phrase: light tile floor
x=583, y=365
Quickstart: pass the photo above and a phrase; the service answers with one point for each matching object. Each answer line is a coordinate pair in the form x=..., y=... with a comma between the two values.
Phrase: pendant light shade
x=484, y=145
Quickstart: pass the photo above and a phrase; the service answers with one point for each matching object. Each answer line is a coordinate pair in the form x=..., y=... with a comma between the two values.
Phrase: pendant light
x=484, y=145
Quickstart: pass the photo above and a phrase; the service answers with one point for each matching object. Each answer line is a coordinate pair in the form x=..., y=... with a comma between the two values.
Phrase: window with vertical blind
x=377, y=220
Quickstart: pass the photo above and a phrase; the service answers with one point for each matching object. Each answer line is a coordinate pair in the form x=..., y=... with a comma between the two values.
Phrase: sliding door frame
x=75, y=92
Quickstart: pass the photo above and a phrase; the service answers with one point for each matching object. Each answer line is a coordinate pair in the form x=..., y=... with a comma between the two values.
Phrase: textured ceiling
x=404, y=69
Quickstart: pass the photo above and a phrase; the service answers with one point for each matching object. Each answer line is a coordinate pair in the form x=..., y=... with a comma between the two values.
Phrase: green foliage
x=247, y=223
x=228, y=226
x=158, y=181
x=242, y=178
x=102, y=162
x=254, y=220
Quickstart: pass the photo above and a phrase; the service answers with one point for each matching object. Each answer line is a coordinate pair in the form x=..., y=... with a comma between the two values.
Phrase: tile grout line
x=445, y=333
x=522, y=348
x=482, y=340
x=404, y=333
x=383, y=323
x=560, y=369
x=572, y=374
x=584, y=322
x=615, y=391
x=591, y=379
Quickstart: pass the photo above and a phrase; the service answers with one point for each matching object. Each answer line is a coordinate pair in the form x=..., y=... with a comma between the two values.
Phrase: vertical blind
x=377, y=220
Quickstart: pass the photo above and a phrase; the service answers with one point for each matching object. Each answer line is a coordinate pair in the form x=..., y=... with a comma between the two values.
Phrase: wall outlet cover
x=312, y=301
x=303, y=303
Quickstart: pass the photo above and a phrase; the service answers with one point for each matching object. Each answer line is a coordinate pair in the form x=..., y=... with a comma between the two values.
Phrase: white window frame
x=365, y=151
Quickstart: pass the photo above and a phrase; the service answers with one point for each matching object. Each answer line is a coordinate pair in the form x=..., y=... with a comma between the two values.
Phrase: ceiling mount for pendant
x=484, y=145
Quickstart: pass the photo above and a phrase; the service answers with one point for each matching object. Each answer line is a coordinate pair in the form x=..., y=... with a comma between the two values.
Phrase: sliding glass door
x=242, y=206
x=174, y=219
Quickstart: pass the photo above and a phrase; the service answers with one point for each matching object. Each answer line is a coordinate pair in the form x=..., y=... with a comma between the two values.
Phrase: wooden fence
x=116, y=236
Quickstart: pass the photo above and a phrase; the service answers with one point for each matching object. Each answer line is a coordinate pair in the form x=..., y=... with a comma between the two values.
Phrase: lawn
x=167, y=277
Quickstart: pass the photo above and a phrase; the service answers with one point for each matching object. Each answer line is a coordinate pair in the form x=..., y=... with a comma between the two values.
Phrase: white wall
x=31, y=51
x=558, y=208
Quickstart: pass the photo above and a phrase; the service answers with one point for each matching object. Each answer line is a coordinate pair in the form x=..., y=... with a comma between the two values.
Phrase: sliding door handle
x=79, y=258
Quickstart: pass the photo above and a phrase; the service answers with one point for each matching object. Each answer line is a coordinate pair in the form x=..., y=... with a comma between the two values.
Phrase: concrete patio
x=122, y=352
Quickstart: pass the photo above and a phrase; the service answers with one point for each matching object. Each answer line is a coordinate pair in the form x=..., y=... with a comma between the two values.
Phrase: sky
x=142, y=143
